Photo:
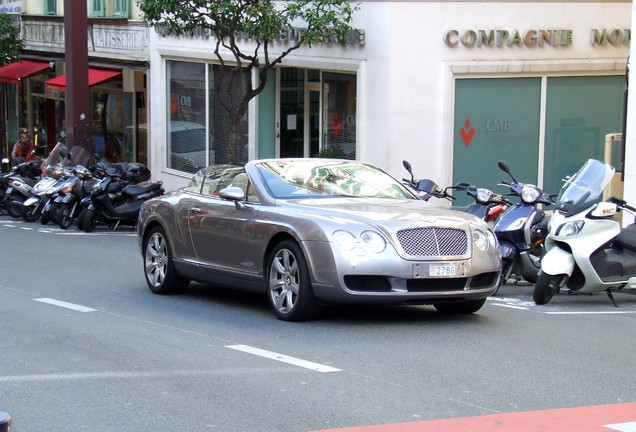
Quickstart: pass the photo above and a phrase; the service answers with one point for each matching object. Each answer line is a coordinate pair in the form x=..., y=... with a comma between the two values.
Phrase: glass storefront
x=499, y=119
x=317, y=114
x=199, y=128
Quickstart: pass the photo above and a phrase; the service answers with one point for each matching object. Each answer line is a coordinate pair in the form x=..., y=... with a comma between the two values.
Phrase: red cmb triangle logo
x=467, y=132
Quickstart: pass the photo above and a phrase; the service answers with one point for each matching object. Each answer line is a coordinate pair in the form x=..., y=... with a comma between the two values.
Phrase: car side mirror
x=235, y=194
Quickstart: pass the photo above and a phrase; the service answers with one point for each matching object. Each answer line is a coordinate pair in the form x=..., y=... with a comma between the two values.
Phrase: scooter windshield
x=585, y=188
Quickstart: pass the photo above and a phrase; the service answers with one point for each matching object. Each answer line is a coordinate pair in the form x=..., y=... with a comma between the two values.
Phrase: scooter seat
x=140, y=188
x=626, y=239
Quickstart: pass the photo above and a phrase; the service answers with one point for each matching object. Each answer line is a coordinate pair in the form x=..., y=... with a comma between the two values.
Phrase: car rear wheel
x=161, y=276
x=289, y=287
x=466, y=307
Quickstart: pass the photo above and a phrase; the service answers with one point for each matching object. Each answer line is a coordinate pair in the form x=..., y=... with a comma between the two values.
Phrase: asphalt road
x=84, y=345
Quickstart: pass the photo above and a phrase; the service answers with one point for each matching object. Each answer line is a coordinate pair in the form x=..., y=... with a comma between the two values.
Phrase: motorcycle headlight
x=530, y=194
x=481, y=240
x=570, y=228
x=483, y=195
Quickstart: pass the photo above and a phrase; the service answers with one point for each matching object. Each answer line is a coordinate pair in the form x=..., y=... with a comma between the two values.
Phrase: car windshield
x=585, y=187
x=312, y=178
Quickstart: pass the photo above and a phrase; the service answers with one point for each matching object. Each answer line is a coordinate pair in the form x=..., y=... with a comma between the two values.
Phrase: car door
x=222, y=234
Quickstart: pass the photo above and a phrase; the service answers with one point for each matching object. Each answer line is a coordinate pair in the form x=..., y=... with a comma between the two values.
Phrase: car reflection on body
x=314, y=232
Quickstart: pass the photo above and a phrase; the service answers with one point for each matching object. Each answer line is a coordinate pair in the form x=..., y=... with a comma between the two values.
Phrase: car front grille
x=430, y=242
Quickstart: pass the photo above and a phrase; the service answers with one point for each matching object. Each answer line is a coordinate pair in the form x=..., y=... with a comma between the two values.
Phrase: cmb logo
x=496, y=125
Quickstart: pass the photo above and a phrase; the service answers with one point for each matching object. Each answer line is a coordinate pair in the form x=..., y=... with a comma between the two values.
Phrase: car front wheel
x=161, y=276
x=289, y=289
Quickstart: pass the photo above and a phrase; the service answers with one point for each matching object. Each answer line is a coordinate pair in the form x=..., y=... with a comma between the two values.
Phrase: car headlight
x=570, y=228
x=344, y=240
x=481, y=240
x=368, y=241
x=372, y=241
x=492, y=239
x=530, y=193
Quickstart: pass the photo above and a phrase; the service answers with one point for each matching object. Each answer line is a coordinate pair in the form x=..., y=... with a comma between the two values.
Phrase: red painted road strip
x=601, y=418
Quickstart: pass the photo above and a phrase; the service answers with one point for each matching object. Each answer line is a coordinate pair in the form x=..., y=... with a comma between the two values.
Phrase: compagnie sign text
x=533, y=37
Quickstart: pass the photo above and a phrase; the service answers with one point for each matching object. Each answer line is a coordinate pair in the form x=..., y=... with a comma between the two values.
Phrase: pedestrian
x=23, y=150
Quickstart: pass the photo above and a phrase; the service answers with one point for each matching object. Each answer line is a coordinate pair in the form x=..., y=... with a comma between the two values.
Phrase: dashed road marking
x=75, y=307
x=283, y=358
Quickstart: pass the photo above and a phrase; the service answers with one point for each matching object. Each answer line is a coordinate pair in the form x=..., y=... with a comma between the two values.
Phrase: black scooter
x=117, y=198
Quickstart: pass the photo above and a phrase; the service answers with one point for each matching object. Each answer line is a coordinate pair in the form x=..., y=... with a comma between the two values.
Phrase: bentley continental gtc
x=310, y=233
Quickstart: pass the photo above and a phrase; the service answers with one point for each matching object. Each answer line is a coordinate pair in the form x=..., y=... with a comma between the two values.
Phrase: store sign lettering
x=533, y=38
x=494, y=125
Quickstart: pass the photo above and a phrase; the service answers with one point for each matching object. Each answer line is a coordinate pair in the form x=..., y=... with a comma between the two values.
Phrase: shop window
x=50, y=7
x=98, y=8
x=121, y=9
x=188, y=137
x=495, y=119
x=194, y=139
x=219, y=94
x=339, y=93
x=580, y=111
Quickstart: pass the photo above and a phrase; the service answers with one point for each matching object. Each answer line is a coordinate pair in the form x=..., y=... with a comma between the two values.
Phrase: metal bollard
x=5, y=422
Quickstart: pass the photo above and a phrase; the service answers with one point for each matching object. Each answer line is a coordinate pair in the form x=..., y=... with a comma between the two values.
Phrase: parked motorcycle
x=19, y=183
x=521, y=230
x=587, y=250
x=117, y=198
x=71, y=194
x=487, y=205
x=33, y=206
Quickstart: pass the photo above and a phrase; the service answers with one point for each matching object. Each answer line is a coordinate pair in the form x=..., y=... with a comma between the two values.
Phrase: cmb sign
x=498, y=125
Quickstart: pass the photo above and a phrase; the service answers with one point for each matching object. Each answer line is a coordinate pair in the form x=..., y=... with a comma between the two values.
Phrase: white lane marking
x=510, y=306
x=623, y=427
x=66, y=305
x=590, y=313
x=283, y=358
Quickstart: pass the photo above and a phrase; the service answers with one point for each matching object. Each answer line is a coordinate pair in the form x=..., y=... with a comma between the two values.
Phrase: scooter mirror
x=504, y=167
x=407, y=166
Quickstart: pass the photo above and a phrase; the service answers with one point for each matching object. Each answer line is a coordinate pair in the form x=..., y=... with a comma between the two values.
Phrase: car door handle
x=195, y=210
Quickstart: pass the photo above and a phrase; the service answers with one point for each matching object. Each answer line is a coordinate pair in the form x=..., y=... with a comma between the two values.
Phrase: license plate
x=440, y=270
x=9, y=190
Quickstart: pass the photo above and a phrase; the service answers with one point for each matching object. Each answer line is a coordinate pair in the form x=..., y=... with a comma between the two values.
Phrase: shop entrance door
x=299, y=115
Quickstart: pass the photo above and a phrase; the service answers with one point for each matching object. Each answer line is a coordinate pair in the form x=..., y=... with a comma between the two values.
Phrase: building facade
x=451, y=87
x=118, y=63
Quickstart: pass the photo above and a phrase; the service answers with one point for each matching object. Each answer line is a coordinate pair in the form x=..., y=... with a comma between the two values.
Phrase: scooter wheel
x=30, y=213
x=65, y=216
x=14, y=209
x=89, y=222
x=44, y=218
x=53, y=212
x=80, y=219
x=547, y=286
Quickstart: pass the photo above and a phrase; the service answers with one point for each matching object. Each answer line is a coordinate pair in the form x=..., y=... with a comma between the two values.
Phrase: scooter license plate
x=9, y=190
x=441, y=270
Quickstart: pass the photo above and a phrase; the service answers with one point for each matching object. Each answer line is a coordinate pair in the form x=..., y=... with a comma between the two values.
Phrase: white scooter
x=587, y=250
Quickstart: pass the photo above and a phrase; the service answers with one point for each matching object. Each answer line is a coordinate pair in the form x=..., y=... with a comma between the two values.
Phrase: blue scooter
x=521, y=230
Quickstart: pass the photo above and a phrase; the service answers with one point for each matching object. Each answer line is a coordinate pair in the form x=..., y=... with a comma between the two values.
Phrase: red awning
x=13, y=72
x=95, y=76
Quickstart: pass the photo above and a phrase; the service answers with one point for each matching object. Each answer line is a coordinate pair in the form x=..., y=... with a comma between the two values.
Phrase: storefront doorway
x=316, y=115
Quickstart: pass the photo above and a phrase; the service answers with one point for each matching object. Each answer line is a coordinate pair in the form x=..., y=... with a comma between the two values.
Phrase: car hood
x=386, y=212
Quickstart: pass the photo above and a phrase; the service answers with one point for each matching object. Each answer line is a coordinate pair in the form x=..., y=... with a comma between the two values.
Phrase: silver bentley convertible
x=314, y=232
